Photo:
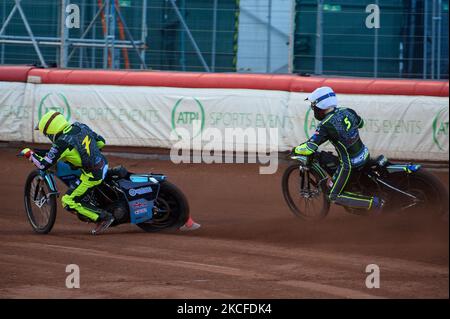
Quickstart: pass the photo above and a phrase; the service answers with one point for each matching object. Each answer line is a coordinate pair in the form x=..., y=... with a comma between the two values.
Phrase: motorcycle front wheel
x=303, y=194
x=40, y=205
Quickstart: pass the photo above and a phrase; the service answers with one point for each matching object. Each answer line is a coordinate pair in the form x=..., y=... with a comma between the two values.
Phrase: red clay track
x=249, y=246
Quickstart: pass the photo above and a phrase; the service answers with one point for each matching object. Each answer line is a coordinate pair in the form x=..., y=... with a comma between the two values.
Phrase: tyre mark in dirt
x=300, y=254
x=139, y=288
x=169, y=263
x=46, y=292
x=305, y=263
x=347, y=260
x=317, y=270
x=15, y=259
x=328, y=290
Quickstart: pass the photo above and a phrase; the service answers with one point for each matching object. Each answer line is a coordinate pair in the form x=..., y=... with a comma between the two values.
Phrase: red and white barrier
x=405, y=119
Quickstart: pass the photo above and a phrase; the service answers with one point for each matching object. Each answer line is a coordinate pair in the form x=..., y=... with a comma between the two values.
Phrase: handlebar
x=304, y=159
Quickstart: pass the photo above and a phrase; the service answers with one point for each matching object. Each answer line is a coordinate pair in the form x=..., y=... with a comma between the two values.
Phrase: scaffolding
x=268, y=36
x=111, y=19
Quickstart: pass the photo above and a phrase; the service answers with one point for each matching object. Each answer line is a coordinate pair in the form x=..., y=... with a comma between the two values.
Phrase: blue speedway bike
x=405, y=187
x=149, y=201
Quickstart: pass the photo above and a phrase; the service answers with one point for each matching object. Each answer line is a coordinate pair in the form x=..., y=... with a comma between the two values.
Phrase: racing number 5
x=347, y=122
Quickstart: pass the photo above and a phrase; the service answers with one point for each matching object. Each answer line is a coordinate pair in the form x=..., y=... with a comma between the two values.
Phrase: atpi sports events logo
x=185, y=112
x=54, y=102
x=196, y=142
x=440, y=128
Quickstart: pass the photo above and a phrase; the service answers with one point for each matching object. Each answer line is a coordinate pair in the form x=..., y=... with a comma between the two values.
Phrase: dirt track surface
x=249, y=246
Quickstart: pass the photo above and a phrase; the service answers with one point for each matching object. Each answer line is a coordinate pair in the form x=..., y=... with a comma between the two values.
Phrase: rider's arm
x=359, y=119
x=51, y=157
x=361, y=123
x=320, y=136
x=100, y=141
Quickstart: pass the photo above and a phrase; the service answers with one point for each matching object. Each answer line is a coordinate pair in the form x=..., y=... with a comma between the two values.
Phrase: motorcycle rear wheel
x=430, y=190
x=172, y=209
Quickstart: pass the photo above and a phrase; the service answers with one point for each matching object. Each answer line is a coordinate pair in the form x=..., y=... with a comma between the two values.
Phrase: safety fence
x=405, y=119
x=365, y=38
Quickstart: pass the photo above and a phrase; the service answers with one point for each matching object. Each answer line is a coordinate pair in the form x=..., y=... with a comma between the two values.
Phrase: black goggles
x=313, y=103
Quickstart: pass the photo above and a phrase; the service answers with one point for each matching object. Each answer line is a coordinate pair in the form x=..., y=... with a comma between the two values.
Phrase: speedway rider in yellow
x=79, y=146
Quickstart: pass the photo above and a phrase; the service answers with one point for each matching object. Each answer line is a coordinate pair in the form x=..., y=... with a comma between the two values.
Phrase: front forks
x=39, y=189
x=305, y=190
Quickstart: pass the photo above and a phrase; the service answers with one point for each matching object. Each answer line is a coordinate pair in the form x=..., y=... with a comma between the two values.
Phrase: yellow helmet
x=52, y=123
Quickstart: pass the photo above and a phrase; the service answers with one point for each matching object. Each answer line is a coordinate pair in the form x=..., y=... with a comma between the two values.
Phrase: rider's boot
x=105, y=220
x=378, y=205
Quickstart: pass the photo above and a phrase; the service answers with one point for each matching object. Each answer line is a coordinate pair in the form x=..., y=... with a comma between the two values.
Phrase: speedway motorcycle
x=405, y=187
x=149, y=201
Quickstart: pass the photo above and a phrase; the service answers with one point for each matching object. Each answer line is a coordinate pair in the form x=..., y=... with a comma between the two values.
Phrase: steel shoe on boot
x=106, y=219
x=378, y=205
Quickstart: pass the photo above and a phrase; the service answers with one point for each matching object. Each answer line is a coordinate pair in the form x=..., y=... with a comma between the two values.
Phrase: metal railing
x=232, y=36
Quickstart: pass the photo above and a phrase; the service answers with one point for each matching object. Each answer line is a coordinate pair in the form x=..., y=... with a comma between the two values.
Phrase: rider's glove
x=303, y=149
x=26, y=152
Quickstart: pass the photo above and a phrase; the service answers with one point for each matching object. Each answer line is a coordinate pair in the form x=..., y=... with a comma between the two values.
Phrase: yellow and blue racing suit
x=78, y=146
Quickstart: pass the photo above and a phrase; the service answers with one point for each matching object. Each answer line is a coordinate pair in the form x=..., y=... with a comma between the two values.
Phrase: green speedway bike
x=405, y=187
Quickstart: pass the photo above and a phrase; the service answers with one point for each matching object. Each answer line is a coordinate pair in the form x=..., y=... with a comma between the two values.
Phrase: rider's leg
x=355, y=200
x=341, y=197
x=73, y=198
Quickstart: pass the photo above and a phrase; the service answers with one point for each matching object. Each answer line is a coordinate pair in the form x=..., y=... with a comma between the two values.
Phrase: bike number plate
x=141, y=211
x=140, y=197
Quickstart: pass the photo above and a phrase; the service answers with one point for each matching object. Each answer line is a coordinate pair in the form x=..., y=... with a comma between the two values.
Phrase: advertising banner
x=401, y=127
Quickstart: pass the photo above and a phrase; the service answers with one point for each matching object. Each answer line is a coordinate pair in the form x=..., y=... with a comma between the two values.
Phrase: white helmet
x=323, y=98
